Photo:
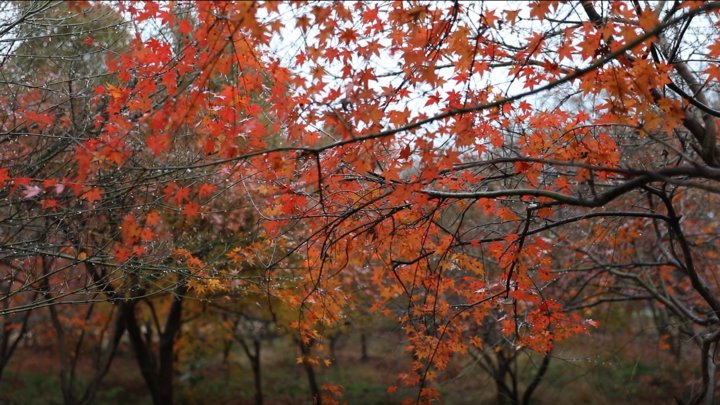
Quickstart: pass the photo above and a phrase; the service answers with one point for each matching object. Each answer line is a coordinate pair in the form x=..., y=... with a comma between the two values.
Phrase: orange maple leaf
x=92, y=195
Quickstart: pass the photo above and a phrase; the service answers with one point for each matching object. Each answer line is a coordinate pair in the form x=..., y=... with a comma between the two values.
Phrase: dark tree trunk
x=167, y=352
x=226, y=351
x=143, y=356
x=536, y=380
x=333, y=345
x=8, y=342
x=363, y=348
x=505, y=395
x=254, y=358
x=157, y=370
x=256, y=371
x=310, y=371
x=105, y=359
x=66, y=380
x=9, y=339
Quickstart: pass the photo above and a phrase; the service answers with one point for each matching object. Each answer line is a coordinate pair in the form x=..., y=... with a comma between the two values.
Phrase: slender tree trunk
x=310, y=371
x=505, y=394
x=157, y=371
x=143, y=356
x=333, y=343
x=256, y=371
x=363, y=348
x=707, y=395
x=254, y=358
x=105, y=359
x=8, y=344
x=66, y=377
x=536, y=380
x=167, y=352
x=226, y=351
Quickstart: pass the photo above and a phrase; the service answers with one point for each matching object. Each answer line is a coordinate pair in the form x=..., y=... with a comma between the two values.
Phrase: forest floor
x=615, y=365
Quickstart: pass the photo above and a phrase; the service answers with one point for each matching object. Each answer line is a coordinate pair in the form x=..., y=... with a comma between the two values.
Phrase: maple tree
x=472, y=168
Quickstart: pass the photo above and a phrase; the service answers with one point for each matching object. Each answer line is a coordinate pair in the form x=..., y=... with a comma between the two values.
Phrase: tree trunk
x=66, y=380
x=363, y=348
x=254, y=358
x=66, y=370
x=226, y=351
x=333, y=339
x=256, y=371
x=105, y=359
x=157, y=371
x=310, y=371
x=167, y=352
x=505, y=394
x=140, y=348
x=707, y=395
x=536, y=380
x=7, y=343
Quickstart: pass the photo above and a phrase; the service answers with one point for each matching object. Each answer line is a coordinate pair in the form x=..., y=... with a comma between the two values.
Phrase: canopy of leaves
x=460, y=167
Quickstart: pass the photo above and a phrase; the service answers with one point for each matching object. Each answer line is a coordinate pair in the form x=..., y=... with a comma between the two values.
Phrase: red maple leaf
x=191, y=210
x=92, y=195
x=206, y=190
x=4, y=177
